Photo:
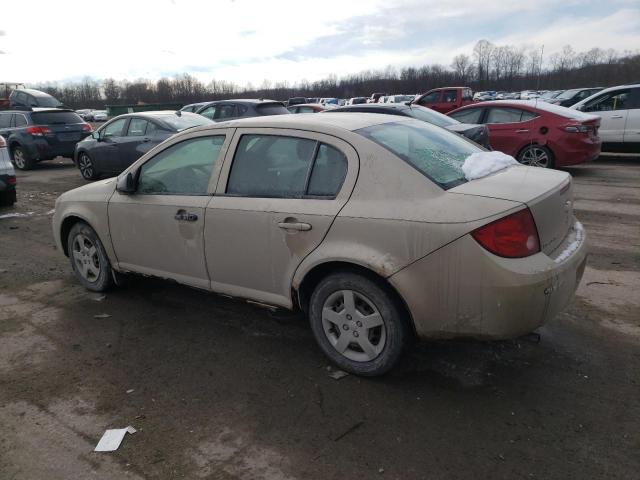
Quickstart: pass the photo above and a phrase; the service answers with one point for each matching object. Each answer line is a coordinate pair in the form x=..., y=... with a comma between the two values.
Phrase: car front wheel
x=88, y=258
x=358, y=323
x=86, y=167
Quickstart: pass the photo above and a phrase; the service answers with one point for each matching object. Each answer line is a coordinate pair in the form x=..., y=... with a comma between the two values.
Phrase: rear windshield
x=431, y=116
x=56, y=118
x=434, y=152
x=47, y=101
x=271, y=109
x=184, y=121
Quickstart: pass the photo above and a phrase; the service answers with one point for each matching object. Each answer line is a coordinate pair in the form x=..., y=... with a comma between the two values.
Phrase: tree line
x=487, y=67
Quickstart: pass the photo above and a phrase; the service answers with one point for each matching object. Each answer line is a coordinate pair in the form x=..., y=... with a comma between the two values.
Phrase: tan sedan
x=366, y=222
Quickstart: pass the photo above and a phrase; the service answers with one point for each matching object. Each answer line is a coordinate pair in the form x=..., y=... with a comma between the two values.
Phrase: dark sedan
x=120, y=142
x=477, y=133
x=223, y=110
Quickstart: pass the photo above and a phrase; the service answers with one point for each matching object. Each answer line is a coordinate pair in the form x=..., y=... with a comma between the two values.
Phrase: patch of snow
x=15, y=214
x=573, y=246
x=481, y=164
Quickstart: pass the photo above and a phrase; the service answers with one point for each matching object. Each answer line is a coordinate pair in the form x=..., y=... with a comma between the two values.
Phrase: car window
x=527, y=115
x=182, y=169
x=137, y=127
x=270, y=166
x=209, y=112
x=468, y=115
x=467, y=94
x=449, y=96
x=271, y=109
x=19, y=120
x=427, y=115
x=114, y=129
x=617, y=100
x=432, y=97
x=56, y=118
x=293, y=109
x=225, y=111
x=504, y=115
x=433, y=151
x=305, y=110
x=5, y=120
x=329, y=170
x=21, y=98
x=151, y=128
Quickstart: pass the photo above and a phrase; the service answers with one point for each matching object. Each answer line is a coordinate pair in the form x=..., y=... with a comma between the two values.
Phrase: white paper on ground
x=111, y=439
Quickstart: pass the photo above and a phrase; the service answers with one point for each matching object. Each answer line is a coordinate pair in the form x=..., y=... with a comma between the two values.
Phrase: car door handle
x=523, y=130
x=616, y=116
x=299, y=226
x=185, y=216
x=146, y=140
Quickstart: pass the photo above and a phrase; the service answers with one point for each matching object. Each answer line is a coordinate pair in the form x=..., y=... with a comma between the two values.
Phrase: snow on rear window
x=481, y=164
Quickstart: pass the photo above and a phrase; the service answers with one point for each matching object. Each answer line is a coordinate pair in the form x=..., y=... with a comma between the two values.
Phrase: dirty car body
x=363, y=221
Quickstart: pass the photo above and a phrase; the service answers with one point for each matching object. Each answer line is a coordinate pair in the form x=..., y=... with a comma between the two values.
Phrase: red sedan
x=535, y=132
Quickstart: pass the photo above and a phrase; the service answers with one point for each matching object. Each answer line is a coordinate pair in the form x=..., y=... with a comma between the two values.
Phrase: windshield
x=434, y=152
x=431, y=116
x=184, y=121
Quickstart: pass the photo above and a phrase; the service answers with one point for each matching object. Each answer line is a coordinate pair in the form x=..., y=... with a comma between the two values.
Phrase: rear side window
x=506, y=115
x=469, y=115
x=449, y=96
x=55, y=118
x=285, y=167
x=271, y=109
x=467, y=94
x=137, y=127
x=433, y=151
x=225, y=111
x=19, y=120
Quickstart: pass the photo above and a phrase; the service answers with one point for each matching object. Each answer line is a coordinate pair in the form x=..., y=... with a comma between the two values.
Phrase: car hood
x=99, y=191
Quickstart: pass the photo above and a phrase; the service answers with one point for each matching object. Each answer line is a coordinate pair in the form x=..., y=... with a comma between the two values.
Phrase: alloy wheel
x=86, y=166
x=85, y=257
x=353, y=325
x=18, y=158
x=535, y=157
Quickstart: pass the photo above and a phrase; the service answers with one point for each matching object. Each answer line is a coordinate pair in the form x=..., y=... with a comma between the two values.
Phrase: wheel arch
x=302, y=294
x=65, y=228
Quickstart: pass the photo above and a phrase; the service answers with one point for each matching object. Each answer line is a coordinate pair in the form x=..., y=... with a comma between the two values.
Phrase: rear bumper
x=576, y=151
x=464, y=291
x=40, y=149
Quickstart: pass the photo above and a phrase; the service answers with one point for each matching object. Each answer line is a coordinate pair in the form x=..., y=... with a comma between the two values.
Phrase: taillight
x=2, y=142
x=513, y=236
x=576, y=129
x=87, y=128
x=38, y=131
x=11, y=180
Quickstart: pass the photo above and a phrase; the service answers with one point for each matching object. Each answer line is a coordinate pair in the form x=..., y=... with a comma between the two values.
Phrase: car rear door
x=509, y=128
x=141, y=136
x=158, y=230
x=278, y=194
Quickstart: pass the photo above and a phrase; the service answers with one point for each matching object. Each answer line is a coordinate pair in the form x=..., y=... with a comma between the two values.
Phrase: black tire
x=395, y=325
x=529, y=155
x=87, y=260
x=21, y=159
x=7, y=198
x=87, y=167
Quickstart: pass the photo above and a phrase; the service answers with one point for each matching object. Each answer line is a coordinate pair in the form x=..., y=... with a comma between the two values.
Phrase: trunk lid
x=66, y=127
x=547, y=193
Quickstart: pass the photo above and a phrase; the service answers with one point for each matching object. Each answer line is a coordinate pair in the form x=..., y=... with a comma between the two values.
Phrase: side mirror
x=96, y=135
x=126, y=183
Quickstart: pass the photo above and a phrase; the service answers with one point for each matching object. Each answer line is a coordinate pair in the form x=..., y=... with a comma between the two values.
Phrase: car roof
x=306, y=105
x=38, y=110
x=395, y=106
x=246, y=100
x=327, y=122
x=540, y=105
x=155, y=114
x=31, y=91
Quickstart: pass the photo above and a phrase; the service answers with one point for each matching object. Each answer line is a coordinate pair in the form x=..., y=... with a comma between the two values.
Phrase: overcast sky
x=252, y=40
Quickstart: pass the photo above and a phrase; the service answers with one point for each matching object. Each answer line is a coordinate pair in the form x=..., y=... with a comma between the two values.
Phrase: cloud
x=250, y=40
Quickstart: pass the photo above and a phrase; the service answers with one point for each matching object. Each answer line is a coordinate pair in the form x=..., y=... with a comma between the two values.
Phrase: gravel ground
x=220, y=389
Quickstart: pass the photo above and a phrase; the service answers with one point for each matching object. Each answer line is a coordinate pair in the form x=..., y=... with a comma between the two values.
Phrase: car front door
x=509, y=128
x=105, y=153
x=278, y=194
x=612, y=108
x=632, y=126
x=158, y=230
x=430, y=99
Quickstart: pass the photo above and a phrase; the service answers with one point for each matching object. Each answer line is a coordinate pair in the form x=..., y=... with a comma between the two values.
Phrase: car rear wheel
x=88, y=258
x=87, y=169
x=358, y=323
x=21, y=159
x=536, y=156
